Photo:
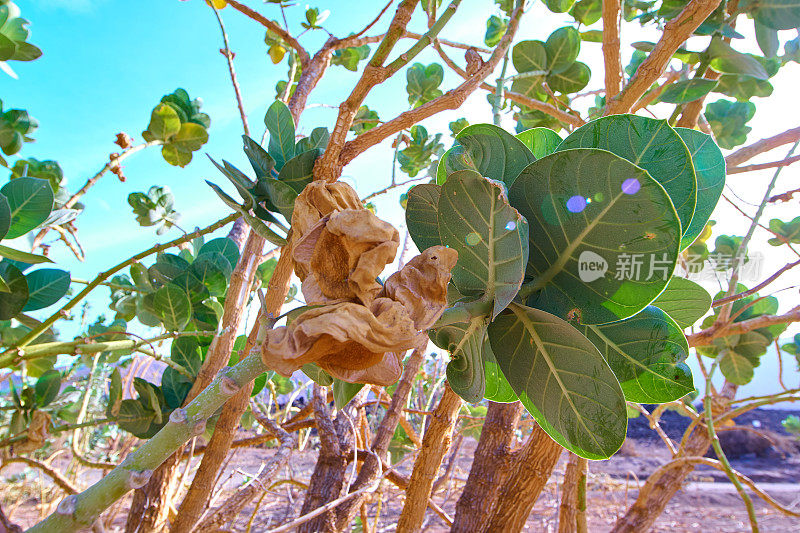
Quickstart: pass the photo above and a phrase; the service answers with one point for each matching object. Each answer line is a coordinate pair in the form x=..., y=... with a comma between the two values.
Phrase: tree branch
x=764, y=145
x=675, y=34
x=705, y=337
x=611, y=56
x=761, y=166
x=274, y=27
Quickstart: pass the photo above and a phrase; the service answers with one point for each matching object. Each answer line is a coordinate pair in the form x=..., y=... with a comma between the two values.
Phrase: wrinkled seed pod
x=139, y=478
x=68, y=505
x=178, y=416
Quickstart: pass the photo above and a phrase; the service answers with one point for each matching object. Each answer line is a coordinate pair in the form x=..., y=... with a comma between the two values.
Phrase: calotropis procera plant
x=553, y=265
x=561, y=256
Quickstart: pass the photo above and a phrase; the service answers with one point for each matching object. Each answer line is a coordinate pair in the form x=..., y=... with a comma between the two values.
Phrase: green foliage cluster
x=14, y=45
x=178, y=124
x=528, y=215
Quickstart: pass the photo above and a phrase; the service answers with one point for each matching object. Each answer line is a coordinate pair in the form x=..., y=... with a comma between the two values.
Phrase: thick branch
x=761, y=166
x=705, y=337
x=675, y=34
x=611, y=57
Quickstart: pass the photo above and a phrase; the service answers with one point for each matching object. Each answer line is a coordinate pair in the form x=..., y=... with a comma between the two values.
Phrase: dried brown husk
x=320, y=199
x=363, y=343
x=343, y=254
x=38, y=431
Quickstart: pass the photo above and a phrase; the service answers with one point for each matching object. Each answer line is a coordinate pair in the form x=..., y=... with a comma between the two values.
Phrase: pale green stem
x=723, y=459
x=498, y=94
x=79, y=511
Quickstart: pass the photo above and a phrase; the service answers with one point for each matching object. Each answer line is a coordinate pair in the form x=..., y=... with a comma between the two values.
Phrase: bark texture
x=568, y=508
x=435, y=444
x=490, y=468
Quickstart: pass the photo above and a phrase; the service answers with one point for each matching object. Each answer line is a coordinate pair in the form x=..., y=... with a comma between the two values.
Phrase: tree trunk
x=490, y=468
x=435, y=444
x=568, y=509
x=531, y=467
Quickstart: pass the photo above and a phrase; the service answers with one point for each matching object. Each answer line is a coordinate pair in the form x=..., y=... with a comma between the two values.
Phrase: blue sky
x=107, y=63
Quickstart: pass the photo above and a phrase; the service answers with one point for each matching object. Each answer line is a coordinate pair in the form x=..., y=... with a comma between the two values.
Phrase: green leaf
x=175, y=156
x=30, y=201
x=164, y=122
x=684, y=300
x=561, y=379
x=318, y=139
x=5, y=216
x=364, y=120
x=562, y=49
x=571, y=80
x=175, y=387
x=777, y=14
x=736, y=368
x=559, y=6
x=115, y=393
x=540, y=141
x=709, y=166
x=173, y=307
x=687, y=90
x=343, y=392
x=646, y=352
x=489, y=235
x=282, y=196
x=495, y=28
x=767, y=38
x=728, y=60
x=46, y=286
x=190, y=137
x=23, y=257
x=498, y=389
x=422, y=83
x=587, y=12
x=317, y=375
x=47, y=387
x=14, y=299
x=211, y=271
x=650, y=144
x=186, y=352
x=421, y=215
x=260, y=160
x=299, y=171
x=465, y=371
x=488, y=149
x=727, y=120
x=280, y=125
x=133, y=418
x=597, y=216
x=224, y=246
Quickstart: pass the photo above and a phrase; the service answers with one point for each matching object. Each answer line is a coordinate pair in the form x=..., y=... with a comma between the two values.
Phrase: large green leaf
x=498, y=389
x=173, y=307
x=561, y=379
x=299, y=170
x=490, y=150
x=571, y=80
x=736, y=368
x=727, y=60
x=260, y=160
x=529, y=56
x=343, y=392
x=222, y=245
x=465, y=371
x=421, y=215
x=282, y=196
x=30, y=200
x=777, y=14
x=280, y=125
x=597, y=217
x=13, y=300
x=490, y=236
x=648, y=143
x=133, y=418
x=709, y=165
x=23, y=257
x=647, y=353
x=540, y=141
x=687, y=90
x=164, y=122
x=190, y=137
x=562, y=49
x=211, y=271
x=186, y=352
x=684, y=300
x=47, y=387
x=5, y=216
x=46, y=286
